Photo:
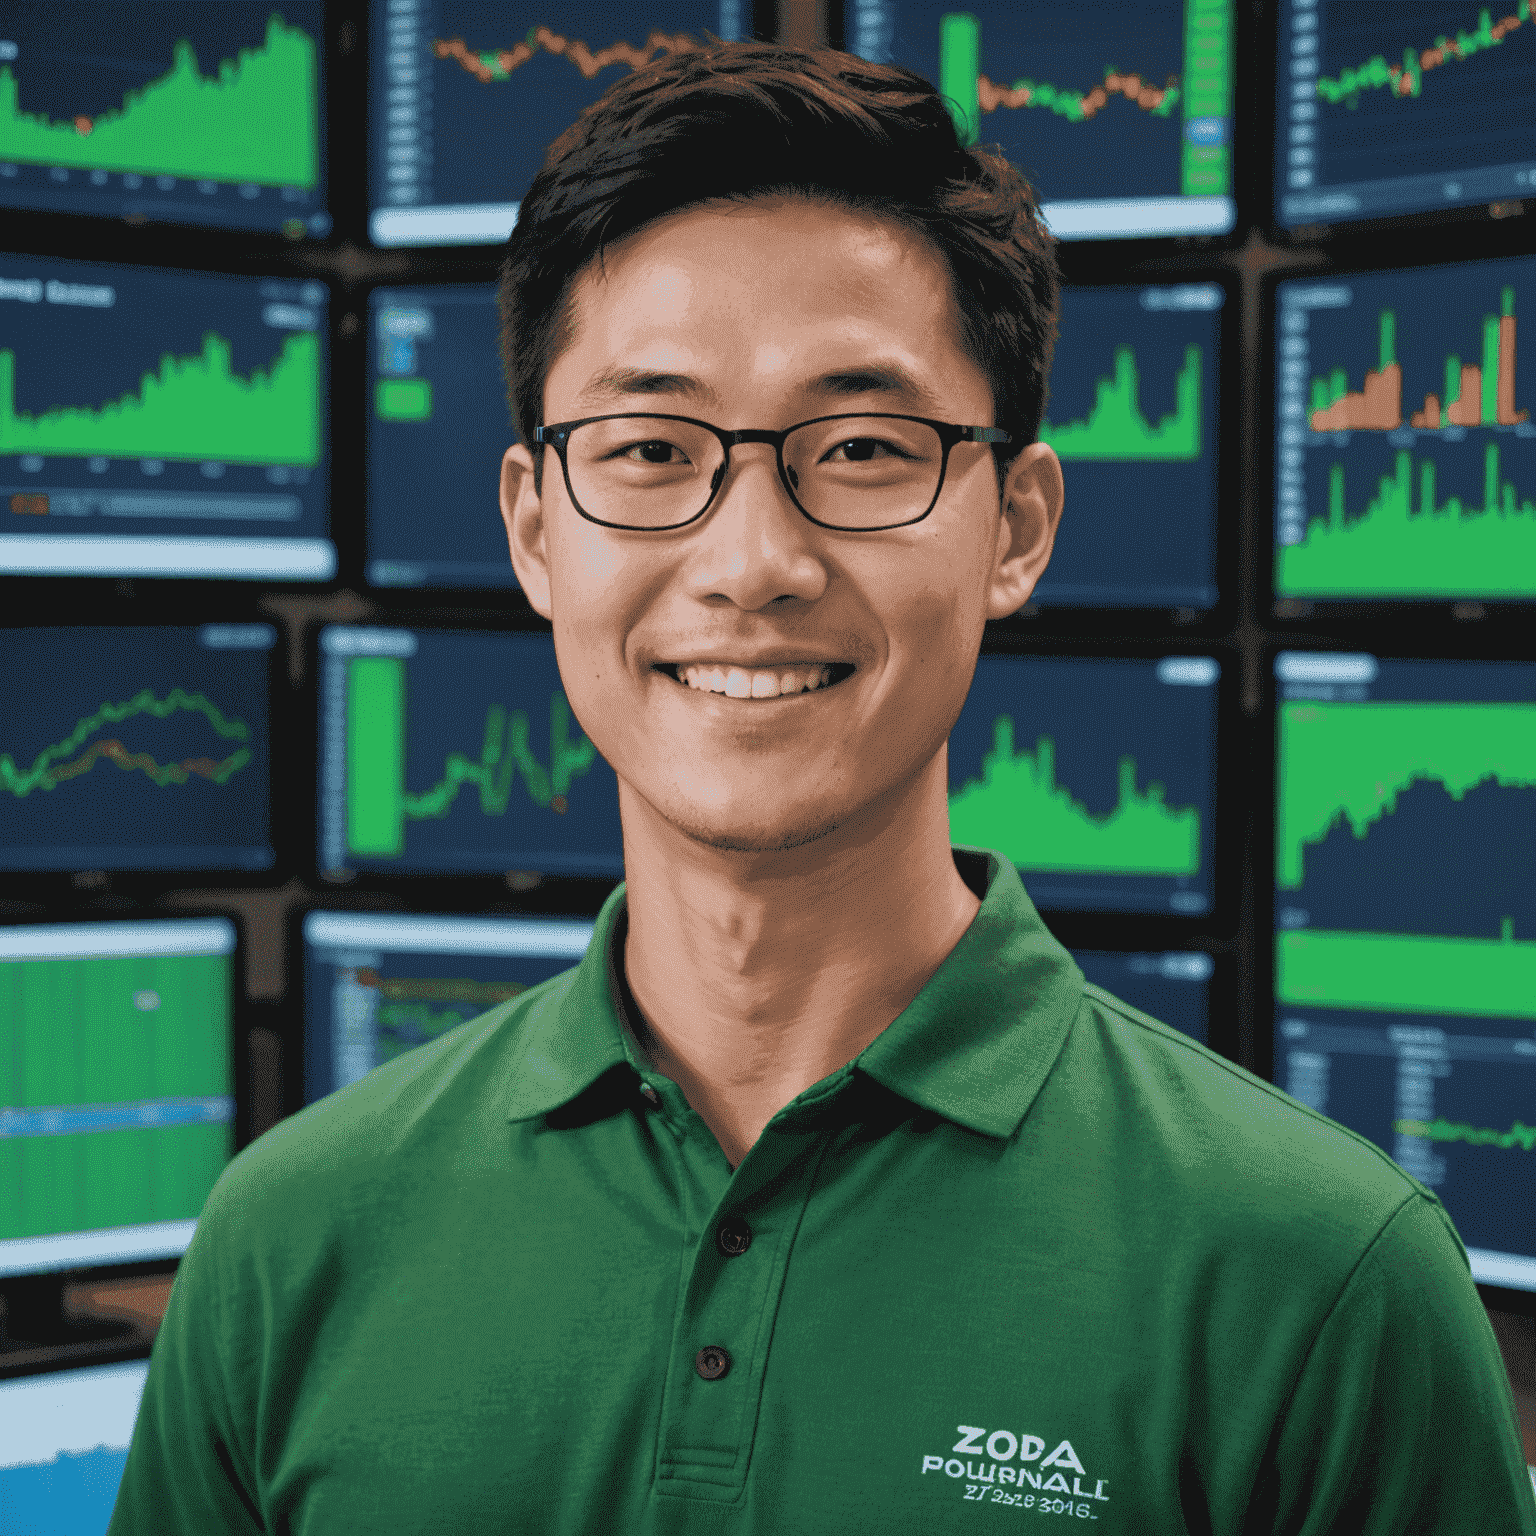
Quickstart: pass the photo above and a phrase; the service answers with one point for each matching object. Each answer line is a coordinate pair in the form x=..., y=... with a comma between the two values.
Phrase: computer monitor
x=1124, y=128
x=1174, y=987
x=136, y=747
x=1405, y=448
x=463, y=104
x=65, y=1445
x=437, y=426
x=1094, y=775
x=376, y=985
x=1134, y=415
x=1405, y=956
x=1387, y=108
x=196, y=114
x=454, y=752
x=157, y=423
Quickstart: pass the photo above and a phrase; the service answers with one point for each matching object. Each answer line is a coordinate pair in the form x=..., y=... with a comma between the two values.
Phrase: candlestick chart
x=1094, y=812
x=197, y=113
x=1417, y=472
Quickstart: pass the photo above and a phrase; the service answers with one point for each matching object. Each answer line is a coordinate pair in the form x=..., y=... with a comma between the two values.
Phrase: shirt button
x=712, y=1362
x=733, y=1237
x=649, y=1094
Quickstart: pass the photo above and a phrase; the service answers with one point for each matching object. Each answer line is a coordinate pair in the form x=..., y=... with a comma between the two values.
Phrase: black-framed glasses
x=857, y=472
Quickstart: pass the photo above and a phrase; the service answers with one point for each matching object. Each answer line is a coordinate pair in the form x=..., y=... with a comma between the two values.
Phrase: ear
x=1033, y=494
x=523, y=514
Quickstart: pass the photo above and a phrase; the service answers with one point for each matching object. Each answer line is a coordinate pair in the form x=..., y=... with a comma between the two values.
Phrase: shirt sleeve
x=1403, y=1421
x=188, y=1471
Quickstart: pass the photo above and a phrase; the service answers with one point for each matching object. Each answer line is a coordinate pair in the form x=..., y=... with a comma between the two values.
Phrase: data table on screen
x=1405, y=447
x=465, y=98
x=116, y=1085
x=1134, y=416
x=1121, y=117
x=157, y=423
x=1094, y=775
x=456, y=752
x=1174, y=987
x=206, y=112
x=378, y=986
x=1400, y=107
x=438, y=424
x=137, y=748
x=65, y=1445
x=1405, y=961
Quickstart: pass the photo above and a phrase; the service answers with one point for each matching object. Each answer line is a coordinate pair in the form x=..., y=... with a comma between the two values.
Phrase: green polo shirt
x=1031, y=1261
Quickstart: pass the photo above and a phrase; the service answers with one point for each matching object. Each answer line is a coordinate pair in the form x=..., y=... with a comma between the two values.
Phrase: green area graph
x=66, y=760
x=1408, y=973
x=195, y=408
x=1409, y=543
x=378, y=804
x=1115, y=428
x=257, y=120
x=1017, y=808
x=1441, y=1129
x=102, y=1031
x=1406, y=80
x=1348, y=763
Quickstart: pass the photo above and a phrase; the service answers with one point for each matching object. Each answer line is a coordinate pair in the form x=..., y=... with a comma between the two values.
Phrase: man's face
x=765, y=314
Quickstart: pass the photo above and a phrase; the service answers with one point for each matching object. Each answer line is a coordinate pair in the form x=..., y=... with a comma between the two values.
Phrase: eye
x=652, y=451
x=863, y=450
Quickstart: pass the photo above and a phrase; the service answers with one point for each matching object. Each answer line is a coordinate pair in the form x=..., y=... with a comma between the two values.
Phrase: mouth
x=758, y=683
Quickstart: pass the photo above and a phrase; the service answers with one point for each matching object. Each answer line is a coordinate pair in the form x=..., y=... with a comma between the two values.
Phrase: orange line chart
x=495, y=65
x=1137, y=91
x=169, y=773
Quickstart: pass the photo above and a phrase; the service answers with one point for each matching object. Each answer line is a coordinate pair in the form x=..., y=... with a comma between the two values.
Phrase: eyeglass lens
x=855, y=472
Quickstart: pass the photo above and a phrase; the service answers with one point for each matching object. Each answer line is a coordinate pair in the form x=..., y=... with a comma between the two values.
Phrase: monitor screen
x=135, y=748
x=65, y=1446
x=1133, y=415
x=116, y=1088
x=378, y=985
x=464, y=99
x=158, y=423
x=1415, y=478
x=1123, y=133
x=1175, y=988
x=193, y=111
x=1095, y=776
x=438, y=425
x=452, y=752
x=1402, y=106
x=1405, y=964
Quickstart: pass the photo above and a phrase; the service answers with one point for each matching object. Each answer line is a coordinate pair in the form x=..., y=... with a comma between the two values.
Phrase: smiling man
x=822, y=1196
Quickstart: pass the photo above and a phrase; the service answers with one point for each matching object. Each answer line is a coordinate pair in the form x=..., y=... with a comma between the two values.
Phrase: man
x=822, y=1196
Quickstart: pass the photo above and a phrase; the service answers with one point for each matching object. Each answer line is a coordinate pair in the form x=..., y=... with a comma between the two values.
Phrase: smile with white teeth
x=755, y=682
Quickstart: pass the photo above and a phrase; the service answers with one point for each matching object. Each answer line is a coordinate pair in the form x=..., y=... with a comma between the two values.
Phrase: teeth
x=762, y=683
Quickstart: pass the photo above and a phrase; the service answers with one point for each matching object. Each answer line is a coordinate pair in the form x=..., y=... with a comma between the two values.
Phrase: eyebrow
x=866, y=379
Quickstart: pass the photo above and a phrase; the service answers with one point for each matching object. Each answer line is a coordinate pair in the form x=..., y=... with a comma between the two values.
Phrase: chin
x=746, y=835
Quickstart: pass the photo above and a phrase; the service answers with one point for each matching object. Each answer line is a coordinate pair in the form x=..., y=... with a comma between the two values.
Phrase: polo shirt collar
x=974, y=1046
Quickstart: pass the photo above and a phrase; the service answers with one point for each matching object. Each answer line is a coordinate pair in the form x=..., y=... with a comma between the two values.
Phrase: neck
x=758, y=974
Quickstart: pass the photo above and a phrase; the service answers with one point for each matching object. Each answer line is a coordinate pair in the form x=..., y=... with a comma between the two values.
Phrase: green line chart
x=1348, y=763
x=59, y=763
x=1115, y=428
x=1440, y=1129
x=195, y=408
x=256, y=120
x=1018, y=808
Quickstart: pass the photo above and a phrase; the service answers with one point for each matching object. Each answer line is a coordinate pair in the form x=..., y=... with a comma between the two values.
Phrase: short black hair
x=735, y=121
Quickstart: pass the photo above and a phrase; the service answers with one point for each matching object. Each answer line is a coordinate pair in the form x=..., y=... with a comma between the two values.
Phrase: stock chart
x=1175, y=987
x=452, y=752
x=1403, y=108
x=136, y=749
x=377, y=986
x=1124, y=126
x=1406, y=453
x=1405, y=990
x=437, y=426
x=467, y=96
x=1096, y=777
x=159, y=423
x=115, y=1084
x=66, y=1444
x=1134, y=417
x=192, y=111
